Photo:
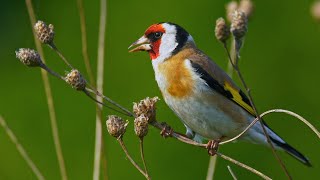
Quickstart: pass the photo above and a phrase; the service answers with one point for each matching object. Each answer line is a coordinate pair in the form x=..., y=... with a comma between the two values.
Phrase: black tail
x=292, y=151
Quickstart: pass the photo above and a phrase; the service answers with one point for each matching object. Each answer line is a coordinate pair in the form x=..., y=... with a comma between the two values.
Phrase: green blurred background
x=280, y=61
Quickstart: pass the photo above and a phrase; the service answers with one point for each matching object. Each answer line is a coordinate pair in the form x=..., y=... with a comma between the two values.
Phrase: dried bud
x=44, y=33
x=222, y=31
x=75, y=79
x=29, y=57
x=239, y=24
x=230, y=8
x=116, y=126
x=315, y=10
x=147, y=107
x=247, y=7
x=141, y=126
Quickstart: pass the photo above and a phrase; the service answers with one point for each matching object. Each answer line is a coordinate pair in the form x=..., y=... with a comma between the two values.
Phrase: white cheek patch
x=168, y=44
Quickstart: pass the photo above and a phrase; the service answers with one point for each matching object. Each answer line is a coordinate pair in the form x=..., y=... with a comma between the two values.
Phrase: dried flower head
x=247, y=7
x=116, y=126
x=29, y=57
x=239, y=24
x=141, y=126
x=315, y=10
x=44, y=33
x=147, y=107
x=75, y=79
x=230, y=8
x=222, y=31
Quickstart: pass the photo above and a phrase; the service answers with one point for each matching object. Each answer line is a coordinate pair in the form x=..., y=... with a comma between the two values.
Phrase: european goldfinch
x=199, y=92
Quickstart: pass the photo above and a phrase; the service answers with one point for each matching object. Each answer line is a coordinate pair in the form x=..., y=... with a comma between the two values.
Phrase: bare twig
x=100, y=72
x=274, y=111
x=48, y=92
x=236, y=68
x=211, y=167
x=46, y=68
x=126, y=111
x=244, y=166
x=232, y=174
x=55, y=49
x=21, y=149
x=143, y=159
x=130, y=158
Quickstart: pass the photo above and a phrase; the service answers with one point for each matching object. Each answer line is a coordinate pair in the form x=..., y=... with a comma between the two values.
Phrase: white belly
x=202, y=117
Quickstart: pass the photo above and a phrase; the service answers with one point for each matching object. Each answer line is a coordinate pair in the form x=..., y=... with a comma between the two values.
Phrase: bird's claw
x=166, y=130
x=212, y=147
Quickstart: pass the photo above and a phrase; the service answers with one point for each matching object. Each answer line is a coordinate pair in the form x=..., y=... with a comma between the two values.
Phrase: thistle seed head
x=44, y=33
x=75, y=79
x=141, y=126
x=315, y=10
x=222, y=31
x=147, y=107
x=230, y=8
x=247, y=7
x=116, y=126
x=239, y=24
x=29, y=57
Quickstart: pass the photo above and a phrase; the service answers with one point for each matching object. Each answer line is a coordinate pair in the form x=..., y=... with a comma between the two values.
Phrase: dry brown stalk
x=48, y=92
x=21, y=149
x=100, y=72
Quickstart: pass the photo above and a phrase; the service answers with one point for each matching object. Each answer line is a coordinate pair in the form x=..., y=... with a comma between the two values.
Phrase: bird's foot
x=213, y=146
x=166, y=130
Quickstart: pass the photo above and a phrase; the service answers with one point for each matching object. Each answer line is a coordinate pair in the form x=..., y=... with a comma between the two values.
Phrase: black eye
x=157, y=35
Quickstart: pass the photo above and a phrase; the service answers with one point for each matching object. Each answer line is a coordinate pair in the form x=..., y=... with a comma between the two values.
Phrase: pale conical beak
x=144, y=45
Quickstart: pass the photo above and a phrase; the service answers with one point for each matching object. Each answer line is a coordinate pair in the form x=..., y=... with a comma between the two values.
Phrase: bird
x=207, y=101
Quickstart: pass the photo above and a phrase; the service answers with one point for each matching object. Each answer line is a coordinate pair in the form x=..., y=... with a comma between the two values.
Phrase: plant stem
x=21, y=149
x=211, y=167
x=48, y=92
x=232, y=174
x=126, y=111
x=244, y=166
x=84, y=42
x=143, y=159
x=55, y=49
x=236, y=68
x=100, y=75
x=130, y=158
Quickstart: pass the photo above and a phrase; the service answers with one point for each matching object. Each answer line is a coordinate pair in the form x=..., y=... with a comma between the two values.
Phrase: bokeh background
x=280, y=62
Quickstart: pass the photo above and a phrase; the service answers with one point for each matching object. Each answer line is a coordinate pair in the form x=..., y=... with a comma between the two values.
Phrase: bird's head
x=162, y=40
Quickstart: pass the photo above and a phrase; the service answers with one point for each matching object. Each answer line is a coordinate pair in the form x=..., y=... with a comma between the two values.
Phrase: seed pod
x=75, y=79
x=116, y=126
x=247, y=7
x=29, y=57
x=222, y=31
x=141, y=126
x=44, y=33
x=315, y=10
x=239, y=24
x=230, y=8
x=147, y=107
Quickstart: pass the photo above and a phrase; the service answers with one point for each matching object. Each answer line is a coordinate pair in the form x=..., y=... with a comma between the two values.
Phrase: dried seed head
x=315, y=10
x=222, y=31
x=44, y=33
x=29, y=57
x=116, y=126
x=147, y=107
x=247, y=7
x=239, y=24
x=141, y=126
x=75, y=79
x=230, y=8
